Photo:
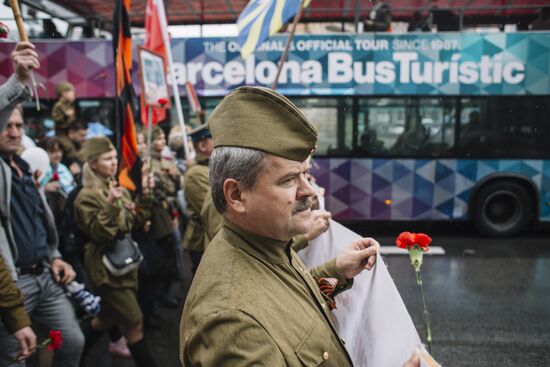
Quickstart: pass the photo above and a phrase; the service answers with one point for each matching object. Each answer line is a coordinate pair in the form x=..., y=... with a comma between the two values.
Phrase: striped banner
x=261, y=19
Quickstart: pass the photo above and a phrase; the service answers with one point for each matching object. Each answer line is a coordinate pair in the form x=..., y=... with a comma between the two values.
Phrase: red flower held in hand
x=56, y=339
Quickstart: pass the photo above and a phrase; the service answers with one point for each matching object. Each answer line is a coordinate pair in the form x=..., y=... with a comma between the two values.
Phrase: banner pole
x=175, y=90
x=24, y=38
x=287, y=47
x=149, y=136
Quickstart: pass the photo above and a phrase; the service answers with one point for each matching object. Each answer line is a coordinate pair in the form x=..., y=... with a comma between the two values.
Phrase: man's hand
x=361, y=254
x=27, y=342
x=24, y=58
x=321, y=220
x=62, y=272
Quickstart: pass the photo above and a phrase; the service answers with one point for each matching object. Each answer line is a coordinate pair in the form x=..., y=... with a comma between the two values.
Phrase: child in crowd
x=64, y=111
x=57, y=177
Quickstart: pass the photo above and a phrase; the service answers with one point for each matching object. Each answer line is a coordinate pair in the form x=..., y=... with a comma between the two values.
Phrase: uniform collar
x=268, y=249
x=202, y=159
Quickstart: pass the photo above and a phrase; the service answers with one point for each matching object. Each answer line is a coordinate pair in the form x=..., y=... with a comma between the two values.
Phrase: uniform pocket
x=311, y=350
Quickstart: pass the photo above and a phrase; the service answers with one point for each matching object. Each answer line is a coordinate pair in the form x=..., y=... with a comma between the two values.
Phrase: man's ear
x=233, y=195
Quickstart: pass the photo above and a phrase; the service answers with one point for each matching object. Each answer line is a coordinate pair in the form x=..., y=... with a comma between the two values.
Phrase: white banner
x=371, y=316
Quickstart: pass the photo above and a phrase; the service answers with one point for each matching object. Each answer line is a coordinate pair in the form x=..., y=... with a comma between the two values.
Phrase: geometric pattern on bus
x=405, y=189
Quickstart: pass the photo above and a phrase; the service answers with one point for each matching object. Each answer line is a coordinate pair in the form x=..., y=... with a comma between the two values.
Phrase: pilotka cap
x=95, y=146
x=263, y=119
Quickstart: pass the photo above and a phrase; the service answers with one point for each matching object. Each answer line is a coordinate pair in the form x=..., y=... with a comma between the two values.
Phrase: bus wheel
x=502, y=208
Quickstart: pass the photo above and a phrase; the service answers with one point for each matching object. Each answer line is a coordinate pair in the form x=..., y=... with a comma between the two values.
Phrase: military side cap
x=95, y=146
x=199, y=133
x=263, y=119
x=63, y=87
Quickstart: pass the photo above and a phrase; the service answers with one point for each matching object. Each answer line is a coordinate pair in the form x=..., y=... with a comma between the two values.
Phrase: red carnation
x=56, y=339
x=404, y=240
x=162, y=101
x=55, y=176
x=422, y=240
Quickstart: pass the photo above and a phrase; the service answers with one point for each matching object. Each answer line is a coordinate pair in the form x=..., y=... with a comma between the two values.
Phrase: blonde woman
x=105, y=212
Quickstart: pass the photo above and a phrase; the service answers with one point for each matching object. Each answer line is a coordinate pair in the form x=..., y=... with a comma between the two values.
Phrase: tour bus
x=417, y=126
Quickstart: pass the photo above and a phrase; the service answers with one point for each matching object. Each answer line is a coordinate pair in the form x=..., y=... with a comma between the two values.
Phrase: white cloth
x=371, y=316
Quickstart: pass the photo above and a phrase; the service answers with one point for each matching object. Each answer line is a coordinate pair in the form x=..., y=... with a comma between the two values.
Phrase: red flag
x=130, y=164
x=154, y=41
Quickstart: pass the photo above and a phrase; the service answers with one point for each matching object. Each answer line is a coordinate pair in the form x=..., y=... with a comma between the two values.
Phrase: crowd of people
x=247, y=196
x=57, y=224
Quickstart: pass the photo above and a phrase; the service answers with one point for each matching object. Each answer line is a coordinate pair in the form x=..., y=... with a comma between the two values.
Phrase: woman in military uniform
x=104, y=212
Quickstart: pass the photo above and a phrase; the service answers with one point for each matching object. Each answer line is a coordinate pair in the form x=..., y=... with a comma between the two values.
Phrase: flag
x=154, y=41
x=129, y=163
x=261, y=19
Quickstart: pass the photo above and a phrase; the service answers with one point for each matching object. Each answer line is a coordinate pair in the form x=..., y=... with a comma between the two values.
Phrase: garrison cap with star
x=95, y=146
x=263, y=119
x=199, y=133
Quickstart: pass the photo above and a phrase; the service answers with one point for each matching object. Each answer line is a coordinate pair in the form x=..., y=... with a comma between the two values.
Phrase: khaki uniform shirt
x=70, y=151
x=211, y=219
x=195, y=187
x=253, y=303
x=168, y=183
x=101, y=223
x=12, y=311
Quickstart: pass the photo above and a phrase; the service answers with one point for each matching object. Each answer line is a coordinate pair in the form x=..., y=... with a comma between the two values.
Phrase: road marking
x=393, y=250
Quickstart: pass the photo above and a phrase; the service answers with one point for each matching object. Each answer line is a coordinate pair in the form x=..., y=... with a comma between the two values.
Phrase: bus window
x=479, y=136
x=406, y=127
x=380, y=123
x=333, y=119
x=437, y=116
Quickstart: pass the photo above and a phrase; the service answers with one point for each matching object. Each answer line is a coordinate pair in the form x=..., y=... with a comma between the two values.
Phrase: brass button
x=325, y=356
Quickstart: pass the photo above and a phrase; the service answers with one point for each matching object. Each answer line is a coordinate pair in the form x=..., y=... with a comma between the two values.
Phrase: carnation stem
x=425, y=313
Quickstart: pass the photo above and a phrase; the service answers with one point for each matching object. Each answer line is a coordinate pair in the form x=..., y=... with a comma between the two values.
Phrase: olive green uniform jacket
x=195, y=187
x=12, y=310
x=165, y=195
x=70, y=150
x=102, y=222
x=253, y=303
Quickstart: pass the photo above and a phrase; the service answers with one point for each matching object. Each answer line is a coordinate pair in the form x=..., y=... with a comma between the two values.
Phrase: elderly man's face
x=279, y=205
x=10, y=137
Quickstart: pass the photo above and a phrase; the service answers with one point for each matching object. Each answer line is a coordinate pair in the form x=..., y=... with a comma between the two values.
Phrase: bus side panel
x=416, y=189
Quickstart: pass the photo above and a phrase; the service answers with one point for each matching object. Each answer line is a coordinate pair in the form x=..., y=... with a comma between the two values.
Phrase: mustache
x=303, y=204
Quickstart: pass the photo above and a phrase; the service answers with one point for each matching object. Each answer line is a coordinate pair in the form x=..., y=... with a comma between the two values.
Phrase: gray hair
x=241, y=164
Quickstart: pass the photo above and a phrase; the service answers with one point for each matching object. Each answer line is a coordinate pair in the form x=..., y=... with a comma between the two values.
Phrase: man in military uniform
x=252, y=301
x=195, y=187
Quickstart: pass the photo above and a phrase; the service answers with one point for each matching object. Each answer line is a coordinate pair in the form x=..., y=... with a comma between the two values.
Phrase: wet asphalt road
x=489, y=299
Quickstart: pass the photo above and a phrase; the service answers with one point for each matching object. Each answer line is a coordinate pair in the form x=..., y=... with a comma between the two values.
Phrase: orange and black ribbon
x=327, y=287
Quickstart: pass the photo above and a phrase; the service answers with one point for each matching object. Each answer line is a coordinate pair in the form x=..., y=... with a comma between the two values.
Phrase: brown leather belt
x=36, y=269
